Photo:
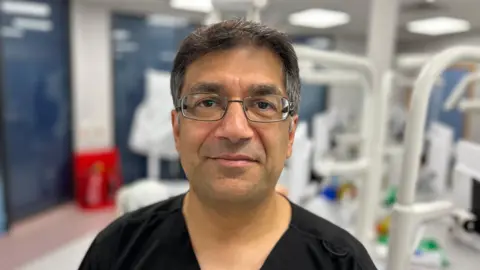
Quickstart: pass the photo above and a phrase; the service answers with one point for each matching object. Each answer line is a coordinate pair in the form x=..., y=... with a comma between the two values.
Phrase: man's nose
x=234, y=126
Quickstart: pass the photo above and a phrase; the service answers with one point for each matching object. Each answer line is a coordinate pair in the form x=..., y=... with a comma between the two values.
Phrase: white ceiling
x=277, y=13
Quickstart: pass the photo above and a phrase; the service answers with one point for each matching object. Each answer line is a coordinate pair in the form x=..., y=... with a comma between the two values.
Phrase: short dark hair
x=227, y=35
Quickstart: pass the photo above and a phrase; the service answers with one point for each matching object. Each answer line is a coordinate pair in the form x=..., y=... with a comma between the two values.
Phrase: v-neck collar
x=276, y=252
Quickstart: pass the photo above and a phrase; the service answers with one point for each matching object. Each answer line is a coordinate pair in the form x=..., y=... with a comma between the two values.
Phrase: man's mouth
x=234, y=160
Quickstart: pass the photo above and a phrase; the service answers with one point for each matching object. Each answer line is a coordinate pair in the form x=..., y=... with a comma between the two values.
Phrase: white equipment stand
x=369, y=164
x=408, y=215
x=439, y=155
x=323, y=165
x=324, y=122
x=299, y=166
x=152, y=135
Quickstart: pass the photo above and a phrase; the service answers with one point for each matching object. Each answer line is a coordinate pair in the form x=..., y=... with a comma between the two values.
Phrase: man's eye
x=264, y=105
x=206, y=103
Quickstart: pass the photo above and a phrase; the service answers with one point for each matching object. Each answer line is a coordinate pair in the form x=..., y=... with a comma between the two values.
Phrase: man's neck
x=236, y=224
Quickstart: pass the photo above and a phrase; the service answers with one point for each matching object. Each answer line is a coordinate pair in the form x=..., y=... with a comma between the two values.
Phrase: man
x=236, y=90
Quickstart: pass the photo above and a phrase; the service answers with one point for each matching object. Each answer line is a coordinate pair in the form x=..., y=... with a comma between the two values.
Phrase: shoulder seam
x=357, y=261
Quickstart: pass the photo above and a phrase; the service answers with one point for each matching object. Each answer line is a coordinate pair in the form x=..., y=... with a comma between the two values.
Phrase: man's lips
x=235, y=157
x=234, y=160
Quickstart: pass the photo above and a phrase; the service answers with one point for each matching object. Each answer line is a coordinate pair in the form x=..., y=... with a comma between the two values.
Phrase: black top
x=156, y=237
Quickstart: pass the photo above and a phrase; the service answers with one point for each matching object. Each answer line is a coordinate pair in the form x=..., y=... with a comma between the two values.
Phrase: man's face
x=234, y=159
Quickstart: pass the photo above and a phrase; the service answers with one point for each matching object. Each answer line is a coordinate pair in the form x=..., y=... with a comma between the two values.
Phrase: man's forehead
x=249, y=69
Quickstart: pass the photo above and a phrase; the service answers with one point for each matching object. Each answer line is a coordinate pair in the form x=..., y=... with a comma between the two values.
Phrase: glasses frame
x=182, y=100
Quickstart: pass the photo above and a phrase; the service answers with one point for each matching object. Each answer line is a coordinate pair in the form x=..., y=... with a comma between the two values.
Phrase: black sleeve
x=91, y=260
x=101, y=254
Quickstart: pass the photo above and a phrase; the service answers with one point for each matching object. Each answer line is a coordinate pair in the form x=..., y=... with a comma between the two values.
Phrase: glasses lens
x=206, y=107
x=267, y=108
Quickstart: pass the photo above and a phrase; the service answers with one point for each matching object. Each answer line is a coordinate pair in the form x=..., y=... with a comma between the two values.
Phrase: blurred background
x=76, y=76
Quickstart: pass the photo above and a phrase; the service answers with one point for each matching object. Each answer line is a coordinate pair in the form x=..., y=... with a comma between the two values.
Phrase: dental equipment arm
x=371, y=153
x=336, y=77
x=407, y=215
x=459, y=91
x=469, y=105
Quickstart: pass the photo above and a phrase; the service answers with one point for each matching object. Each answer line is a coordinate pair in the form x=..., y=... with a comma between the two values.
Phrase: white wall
x=91, y=76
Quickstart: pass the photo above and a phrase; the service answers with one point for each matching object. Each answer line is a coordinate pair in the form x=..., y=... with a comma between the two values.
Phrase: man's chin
x=235, y=193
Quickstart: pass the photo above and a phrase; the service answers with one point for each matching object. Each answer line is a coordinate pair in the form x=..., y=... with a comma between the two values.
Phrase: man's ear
x=176, y=127
x=291, y=134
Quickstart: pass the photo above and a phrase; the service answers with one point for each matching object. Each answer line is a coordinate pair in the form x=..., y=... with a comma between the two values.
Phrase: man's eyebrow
x=206, y=87
x=265, y=89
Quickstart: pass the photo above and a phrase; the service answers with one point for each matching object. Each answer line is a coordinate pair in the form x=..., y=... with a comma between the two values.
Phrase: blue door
x=37, y=108
x=139, y=45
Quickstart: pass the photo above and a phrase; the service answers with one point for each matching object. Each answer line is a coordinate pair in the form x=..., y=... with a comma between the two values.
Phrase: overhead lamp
x=11, y=32
x=192, y=5
x=32, y=24
x=319, y=18
x=121, y=34
x=26, y=8
x=438, y=26
x=166, y=21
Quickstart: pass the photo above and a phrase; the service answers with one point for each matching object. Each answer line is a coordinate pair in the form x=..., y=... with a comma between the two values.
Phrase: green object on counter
x=429, y=245
x=391, y=197
x=426, y=245
x=383, y=239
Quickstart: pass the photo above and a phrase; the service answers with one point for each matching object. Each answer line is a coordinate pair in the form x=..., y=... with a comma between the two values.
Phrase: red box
x=97, y=178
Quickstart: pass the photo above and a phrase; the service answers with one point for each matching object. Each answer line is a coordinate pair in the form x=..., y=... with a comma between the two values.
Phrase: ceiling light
x=26, y=8
x=166, y=21
x=319, y=18
x=33, y=24
x=121, y=34
x=11, y=32
x=438, y=26
x=192, y=5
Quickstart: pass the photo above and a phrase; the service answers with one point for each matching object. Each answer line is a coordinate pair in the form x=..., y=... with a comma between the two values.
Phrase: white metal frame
x=407, y=214
x=455, y=98
x=322, y=165
x=370, y=162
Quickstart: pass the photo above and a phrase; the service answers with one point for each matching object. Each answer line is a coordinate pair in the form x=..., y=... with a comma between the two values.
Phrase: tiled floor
x=52, y=240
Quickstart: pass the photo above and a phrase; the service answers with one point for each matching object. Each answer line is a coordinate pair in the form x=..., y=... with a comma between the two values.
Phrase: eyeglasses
x=213, y=107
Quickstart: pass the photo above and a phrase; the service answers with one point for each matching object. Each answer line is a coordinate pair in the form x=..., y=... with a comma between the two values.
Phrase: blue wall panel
x=138, y=46
x=37, y=112
x=313, y=101
x=453, y=118
x=3, y=210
